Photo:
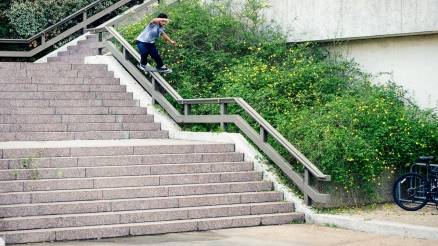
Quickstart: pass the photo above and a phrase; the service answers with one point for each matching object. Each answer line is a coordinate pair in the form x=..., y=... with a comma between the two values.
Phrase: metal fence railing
x=41, y=36
x=303, y=181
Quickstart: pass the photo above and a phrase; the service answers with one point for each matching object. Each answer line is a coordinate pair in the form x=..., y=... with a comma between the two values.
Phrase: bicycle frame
x=431, y=181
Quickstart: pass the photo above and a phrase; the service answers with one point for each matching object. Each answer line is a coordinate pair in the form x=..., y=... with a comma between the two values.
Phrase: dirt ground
x=390, y=212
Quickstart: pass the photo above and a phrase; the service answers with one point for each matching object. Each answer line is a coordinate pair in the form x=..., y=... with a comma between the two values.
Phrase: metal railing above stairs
x=304, y=182
x=41, y=36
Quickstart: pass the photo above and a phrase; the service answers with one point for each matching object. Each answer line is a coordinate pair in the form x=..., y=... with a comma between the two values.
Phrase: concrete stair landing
x=79, y=159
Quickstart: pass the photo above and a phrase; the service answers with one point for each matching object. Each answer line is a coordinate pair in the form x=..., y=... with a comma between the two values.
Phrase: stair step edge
x=91, y=232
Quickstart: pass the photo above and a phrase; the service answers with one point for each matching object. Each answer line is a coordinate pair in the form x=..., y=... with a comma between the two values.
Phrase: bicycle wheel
x=410, y=191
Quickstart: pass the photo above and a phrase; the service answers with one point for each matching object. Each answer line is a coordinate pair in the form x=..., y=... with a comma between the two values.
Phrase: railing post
x=43, y=39
x=307, y=181
x=187, y=109
x=224, y=111
x=263, y=135
x=84, y=18
x=154, y=88
x=125, y=53
x=99, y=39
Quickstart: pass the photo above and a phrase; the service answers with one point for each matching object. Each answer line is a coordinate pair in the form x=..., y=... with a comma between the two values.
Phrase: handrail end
x=326, y=199
x=325, y=178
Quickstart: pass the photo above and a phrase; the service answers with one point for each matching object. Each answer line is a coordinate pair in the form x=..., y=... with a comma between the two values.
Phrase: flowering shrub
x=322, y=103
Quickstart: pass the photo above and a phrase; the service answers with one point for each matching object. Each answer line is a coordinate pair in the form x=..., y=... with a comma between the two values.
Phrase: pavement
x=282, y=235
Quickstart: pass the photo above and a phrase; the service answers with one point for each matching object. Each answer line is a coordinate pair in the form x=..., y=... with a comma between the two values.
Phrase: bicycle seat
x=426, y=158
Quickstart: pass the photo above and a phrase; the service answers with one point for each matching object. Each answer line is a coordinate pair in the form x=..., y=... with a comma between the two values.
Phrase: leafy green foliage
x=4, y=22
x=28, y=17
x=322, y=103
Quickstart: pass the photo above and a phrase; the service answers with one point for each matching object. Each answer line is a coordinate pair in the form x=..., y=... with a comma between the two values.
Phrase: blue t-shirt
x=150, y=33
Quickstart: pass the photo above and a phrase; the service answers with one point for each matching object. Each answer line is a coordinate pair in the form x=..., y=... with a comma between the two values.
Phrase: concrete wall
x=396, y=36
x=315, y=20
x=412, y=60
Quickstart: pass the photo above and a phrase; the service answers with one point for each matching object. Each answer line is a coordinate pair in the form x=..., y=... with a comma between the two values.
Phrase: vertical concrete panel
x=370, y=18
x=351, y=19
x=412, y=61
x=418, y=15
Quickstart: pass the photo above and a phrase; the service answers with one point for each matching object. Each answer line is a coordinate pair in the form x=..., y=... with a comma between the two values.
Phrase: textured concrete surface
x=283, y=235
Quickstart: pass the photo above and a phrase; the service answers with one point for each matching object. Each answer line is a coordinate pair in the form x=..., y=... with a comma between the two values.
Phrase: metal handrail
x=44, y=45
x=304, y=182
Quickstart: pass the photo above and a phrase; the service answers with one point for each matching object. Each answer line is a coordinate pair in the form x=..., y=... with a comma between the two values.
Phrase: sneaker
x=141, y=66
x=163, y=69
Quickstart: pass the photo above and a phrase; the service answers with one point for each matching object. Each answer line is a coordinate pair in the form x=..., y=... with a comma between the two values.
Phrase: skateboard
x=154, y=69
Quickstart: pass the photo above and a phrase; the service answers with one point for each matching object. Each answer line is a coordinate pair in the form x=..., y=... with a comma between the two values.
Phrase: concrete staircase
x=79, y=159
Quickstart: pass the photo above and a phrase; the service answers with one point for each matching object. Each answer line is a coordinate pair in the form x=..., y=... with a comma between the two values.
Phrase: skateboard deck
x=154, y=69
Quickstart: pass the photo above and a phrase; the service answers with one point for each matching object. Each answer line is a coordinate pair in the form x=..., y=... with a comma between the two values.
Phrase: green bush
x=322, y=103
x=4, y=22
x=28, y=17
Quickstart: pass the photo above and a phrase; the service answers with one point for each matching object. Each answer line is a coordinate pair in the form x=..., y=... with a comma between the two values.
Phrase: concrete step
x=14, y=103
x=148, y=228
x=45, y=119
x=64, y=87
x=43, y=159
x=27, y=169
x=14, y=80
x=25, y=65
x=59, y=80
x=81, y=80
x=110, y=148
x=131, y=192
x=112, y=205
x=50, y=95
x=80, y=47
x=87, y=41
x=125, y=181
x=78, y=61
x=6, y=67
x=49, y=161
x=10, y=65
x=70, y=58
x=91, y=52
x=94, y=135
x=78, y=127
x=71, y=73
x=18, y=73
x=74, y=111
x=141, y=216
x=43, y=66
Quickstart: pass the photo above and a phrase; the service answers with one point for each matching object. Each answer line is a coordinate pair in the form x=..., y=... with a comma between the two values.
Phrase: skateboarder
x=146, y=42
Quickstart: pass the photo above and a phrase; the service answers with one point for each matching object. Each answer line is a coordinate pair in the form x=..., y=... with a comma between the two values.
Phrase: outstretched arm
x=153, y=21
x=168, y=39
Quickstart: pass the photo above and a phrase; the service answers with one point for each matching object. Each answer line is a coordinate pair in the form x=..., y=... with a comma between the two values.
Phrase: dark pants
x=149, y=49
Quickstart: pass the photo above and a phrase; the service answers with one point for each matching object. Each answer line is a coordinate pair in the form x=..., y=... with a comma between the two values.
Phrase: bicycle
x=413, y=191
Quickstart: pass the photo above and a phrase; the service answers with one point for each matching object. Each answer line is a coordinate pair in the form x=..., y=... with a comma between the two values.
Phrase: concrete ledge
x=378, y=227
